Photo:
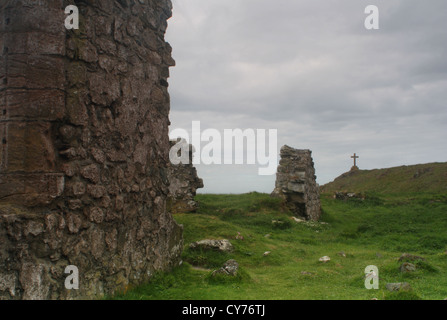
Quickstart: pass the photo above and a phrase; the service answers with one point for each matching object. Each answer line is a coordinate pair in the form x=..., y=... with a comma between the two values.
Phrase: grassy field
x=376, y=231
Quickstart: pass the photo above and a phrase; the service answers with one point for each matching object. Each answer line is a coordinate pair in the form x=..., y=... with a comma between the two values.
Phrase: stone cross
x=355, y=157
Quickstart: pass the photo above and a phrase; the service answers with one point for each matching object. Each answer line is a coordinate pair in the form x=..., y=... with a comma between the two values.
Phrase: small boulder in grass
x=209, y=244
x=402, y=286
x=325, y=259
x=407, y=267
x=230, y=268
x=410, y=257
x=239, y=236
x=297, y=220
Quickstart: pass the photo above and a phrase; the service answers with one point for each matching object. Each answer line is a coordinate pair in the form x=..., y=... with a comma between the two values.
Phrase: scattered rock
x=407, y=267
x=410, y=257
x=267, y=235
x=230, y=268
x=342, y=254
x=324, y=259
x=401, y=286
x=209, y=244
x=266, y=253
x=239, y=236
x=305, y=273
x=277, y=222
x=348, y=195
x=297, y=220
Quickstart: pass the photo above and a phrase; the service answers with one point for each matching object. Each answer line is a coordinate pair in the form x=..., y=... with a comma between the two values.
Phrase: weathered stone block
x=3, y=141
x=31, y=189
x=29, y=15
x=92, y=173
x=104, y=94
x=45, y=105
x=36, y=72
x=36, y=42
x=29, y=147
x=76, y=107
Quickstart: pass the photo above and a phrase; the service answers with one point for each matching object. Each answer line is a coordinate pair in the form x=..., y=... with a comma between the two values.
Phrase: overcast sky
x=311, y=70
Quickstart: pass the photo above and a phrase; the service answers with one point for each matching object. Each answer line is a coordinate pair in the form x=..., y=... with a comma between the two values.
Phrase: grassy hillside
x=427, y=178
x=376, y=231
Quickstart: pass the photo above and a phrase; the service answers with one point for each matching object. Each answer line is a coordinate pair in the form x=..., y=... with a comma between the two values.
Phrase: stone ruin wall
x=296, y=183
x=184, y=183
x=84, y=147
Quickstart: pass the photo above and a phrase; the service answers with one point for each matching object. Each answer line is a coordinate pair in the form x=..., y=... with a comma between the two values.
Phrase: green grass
x=372, y=232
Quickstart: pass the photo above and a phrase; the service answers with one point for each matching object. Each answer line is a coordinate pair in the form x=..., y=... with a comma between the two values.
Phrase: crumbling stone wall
x=296, y=183
x=184, y=183
x=84, y=147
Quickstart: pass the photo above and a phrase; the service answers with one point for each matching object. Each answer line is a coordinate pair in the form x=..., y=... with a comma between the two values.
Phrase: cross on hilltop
x=355, y=157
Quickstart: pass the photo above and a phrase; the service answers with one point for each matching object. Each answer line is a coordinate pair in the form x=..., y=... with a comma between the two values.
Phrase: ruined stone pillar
x=296, y=183
x=84, y=118
x=183, y=183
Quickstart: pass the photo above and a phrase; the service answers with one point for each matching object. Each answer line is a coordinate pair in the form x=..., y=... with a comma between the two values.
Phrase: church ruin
x=84, y=153
x=296, y=183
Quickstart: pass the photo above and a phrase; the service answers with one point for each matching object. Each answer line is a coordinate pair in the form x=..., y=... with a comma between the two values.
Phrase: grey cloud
x=311, y=70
